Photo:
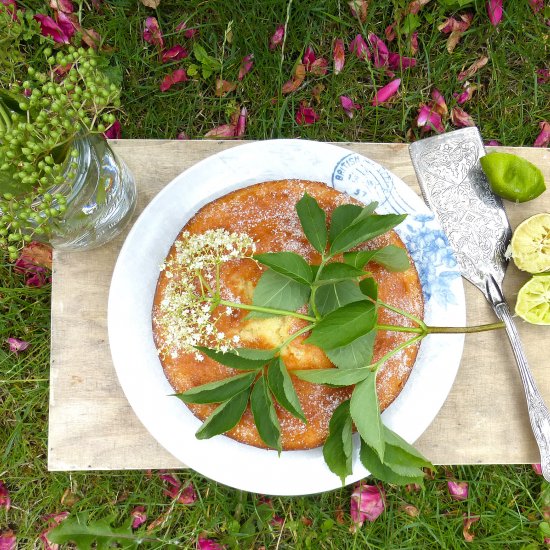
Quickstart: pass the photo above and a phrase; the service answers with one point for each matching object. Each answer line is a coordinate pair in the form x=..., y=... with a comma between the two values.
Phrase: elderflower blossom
x=184, y=315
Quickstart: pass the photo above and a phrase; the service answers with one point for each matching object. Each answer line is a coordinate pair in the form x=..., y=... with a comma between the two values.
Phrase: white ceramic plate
x=135, y=277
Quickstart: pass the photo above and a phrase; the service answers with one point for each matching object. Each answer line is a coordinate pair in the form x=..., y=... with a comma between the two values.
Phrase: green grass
x=508, y=107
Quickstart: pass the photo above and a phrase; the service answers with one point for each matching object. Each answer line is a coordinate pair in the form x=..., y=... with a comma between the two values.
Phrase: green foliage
x=338, y=446
x=220, y=391
x=238, y=359
x=289, y=264
x=313, y=220
x=283, y=390
x=264, y=414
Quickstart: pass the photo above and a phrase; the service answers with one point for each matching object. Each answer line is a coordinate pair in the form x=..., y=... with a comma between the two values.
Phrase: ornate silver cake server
x=473, y=218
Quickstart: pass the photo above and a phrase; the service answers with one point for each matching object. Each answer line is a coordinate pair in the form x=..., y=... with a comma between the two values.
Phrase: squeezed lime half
x=533, y=302
x=530, y=244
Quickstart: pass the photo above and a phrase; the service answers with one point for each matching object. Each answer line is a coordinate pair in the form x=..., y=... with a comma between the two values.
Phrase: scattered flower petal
x=297, y=79
x=439, y=106
x=413, y=488
x=359, y=47
x=380, y=51
x=139, y=516
x=543, y=76
x=175, y=53
x=543, y=139
x=428, y=119
x=8, y=540
x=223, y=131
x=474, y=67
x=179, y=75
x=385, y=93
x=182, y=136
x=414, y=43
x=190, y=33
x=367, y=503
x=390, y=33
x=66, y=23
x=277, y=37
x=359, y=9
x=91, y=38
x=175, y=492
x=50, y=28
x=241, y=123
x=319, y=67
x=37, y=254
x=5, y=501
x=208, y=544
x=114, y=131
x=16, y=345
x=246, y=65
x=415, y=6
x=410, y=510
x=308, y=58
x=492, y=143
x=277, y=520
x=11, y=7
x=455, y=28
x=458, y=491
x=494, y=11
x=316, y=92
x=396, y=61
x=53, y=520
x=536, y=5
x=339, y=55
x=348, y=105
x=223, y=87
x=467, y=94
x=461, y=118
x=65, y=6
x=306, y=115
x=152, y=33
x=467, y=523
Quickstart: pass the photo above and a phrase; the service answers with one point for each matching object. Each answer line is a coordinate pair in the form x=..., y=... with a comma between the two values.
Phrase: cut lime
x=512, y=177
x=533, y=303
x=530, y=244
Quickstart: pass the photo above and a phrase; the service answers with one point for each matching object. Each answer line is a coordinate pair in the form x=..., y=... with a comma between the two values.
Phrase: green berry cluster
x=39, y=119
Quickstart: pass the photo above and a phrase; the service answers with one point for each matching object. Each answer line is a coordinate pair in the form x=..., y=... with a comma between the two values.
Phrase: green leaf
x=333, y=296
x=313, y=220
x=288, y=264
x=355, y=355
x=410, y=23
x=264, y=414
x=392, y=257
x=401, y=453
x=338, y=446
x=332, y=377
x=258, y=354
x=11, y=101
x=84, y=533
x=220, y=391
x=369, y=287
x=366, y=414
x=342, y=217
x=278, y=292
x=283, y=390
x=384, y=472
x=336, y=272
x=235, y=359
x=343, y=325
x=364, y=229
x=225, y=416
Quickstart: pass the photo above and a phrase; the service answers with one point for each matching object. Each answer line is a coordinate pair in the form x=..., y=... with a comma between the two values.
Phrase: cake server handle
x=539, y=415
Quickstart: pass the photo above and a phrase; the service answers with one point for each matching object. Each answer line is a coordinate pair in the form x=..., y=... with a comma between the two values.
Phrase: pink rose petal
x=414, y=43
x=139, y=516
x=182, y=136
x=53, y=520
x=390, y=33
x=8, y=540
x=114, y=131
x=297, y=80
x=16, y=345
x=152, y=33
x=461, y=118
x=359, y=47
x=474, y=67
x=223, y=131
x=439, y=102
x=359, y=9
x=179, y=75
x=467, y=94
x=65, y=6
x=338, y=55
x=190, y=33
x=241, y=123
x=492, y=143
x=246, y=65
x=428, y=119
x=367, y=503
x=467, y=523
x=396, y=61
x=308, y=58
x=536, y=5
x=175, y=492
x=5, y=501
x=208, y=544
x=543, y=76
x=306, y=115
x=385, y=93
x=66, y=24
x=494, y=11
x=458, y=491
x=380, y=51
x=415, y=6
x=50, y=28
x=348, y=105
x=11, y=7
x=277, y=37
x=319, y=67
x=174, y=53
x=537, y=468
x=543, y=139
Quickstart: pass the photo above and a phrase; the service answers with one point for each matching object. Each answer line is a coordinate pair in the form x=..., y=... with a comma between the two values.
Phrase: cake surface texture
x=267, y=213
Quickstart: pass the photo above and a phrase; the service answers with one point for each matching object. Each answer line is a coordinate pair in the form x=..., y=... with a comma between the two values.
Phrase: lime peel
x=533, y=302
x=530, y=245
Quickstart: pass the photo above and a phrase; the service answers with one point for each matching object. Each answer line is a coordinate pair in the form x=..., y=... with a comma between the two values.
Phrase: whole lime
x=513, y=178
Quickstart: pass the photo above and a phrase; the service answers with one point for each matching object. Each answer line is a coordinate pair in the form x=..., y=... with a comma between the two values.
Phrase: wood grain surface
x=92, y=427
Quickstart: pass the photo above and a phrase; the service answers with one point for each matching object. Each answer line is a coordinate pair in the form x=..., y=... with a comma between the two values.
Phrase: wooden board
x=92, y=426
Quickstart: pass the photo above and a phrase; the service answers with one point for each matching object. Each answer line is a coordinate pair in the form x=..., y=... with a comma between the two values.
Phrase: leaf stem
x=465, y=330
x=410, y=316
x=391, y=353
x=292, y=337
x=261, y=309
x=397, y=328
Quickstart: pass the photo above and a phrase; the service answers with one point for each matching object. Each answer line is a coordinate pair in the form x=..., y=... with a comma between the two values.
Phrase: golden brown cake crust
x=267, y=213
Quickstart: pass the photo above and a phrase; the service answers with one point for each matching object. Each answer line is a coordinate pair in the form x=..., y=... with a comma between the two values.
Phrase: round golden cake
x=267, y=213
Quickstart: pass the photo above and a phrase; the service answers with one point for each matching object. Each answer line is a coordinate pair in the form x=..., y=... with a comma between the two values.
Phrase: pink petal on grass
x=452, y=24
x=543, y=76
x=223, y=87
x=359, y=9
x=467, y=93
x=306, y=115
x=338, y=55
x=537, y=468
x=319, y=67
x=414, y=43
x=359, y=47
x=35, y=253
x=367, y=503
x=5, y=501
x=494, y=11
x=241, y=123
x=246, y=65
x=428, y=119
x=179, y=75
x=277, y=37
x=297, y=79
x=390, y=33
x=467, y=523
x=114, y=131
x=53, y=520
x=458, y=491
x=16, y=345
x=139, y=517
x=50, y=28
x=175, y=492
x=385, y=93
x=415, y=6
x=62, y=5
x=66, y=23
x=473, y=68
x=11, y=8
x=348, y=105
x=543, y=139
x=223, y=131
x=396, y=61
x=152, y=33
x=492, y=143
x=380, y=51
x=460, y=118
x=174, y=53
x=8, y=540
x=439, y=102
x=308, y=58
x=182, y=136
x=208, y=544
x=536, y=5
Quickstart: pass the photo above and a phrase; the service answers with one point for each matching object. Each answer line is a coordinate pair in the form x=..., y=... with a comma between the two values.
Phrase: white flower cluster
x=185, y=313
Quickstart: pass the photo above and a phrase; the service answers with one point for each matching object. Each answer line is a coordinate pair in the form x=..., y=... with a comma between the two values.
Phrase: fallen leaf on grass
x=297, y=79
x=306, y=115
x=152, y=33
x=458, y=491
x=338, y=55
x=316, y=92
x=8, y=540
x=386, y=92
x=473, y=68
x=114, y=131
x=246, y=65
x=139, y=517
x=467, y=523
x=348, y=105
x=543, y=139
x=179, y=75
x=68, y=498
x=494, y=11
x=410, y=510
x=277, y=37
x=151, y=3
x=390, y=33
x=359, y=9
x=38, y=254
x=208, y=544
x=359, y=47
x=223, y=87
x=5, y=501
x=367, y=503
x=174, y=53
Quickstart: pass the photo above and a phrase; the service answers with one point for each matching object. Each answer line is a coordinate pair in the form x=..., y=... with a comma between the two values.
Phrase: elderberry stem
x=410, y=316
x=292, y=337
x=391, y=353
x=262, y=309
x=464, y=330
x=397, y=328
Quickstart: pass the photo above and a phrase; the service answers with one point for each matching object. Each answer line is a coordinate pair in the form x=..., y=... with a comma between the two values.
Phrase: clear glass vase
x=100, y=197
